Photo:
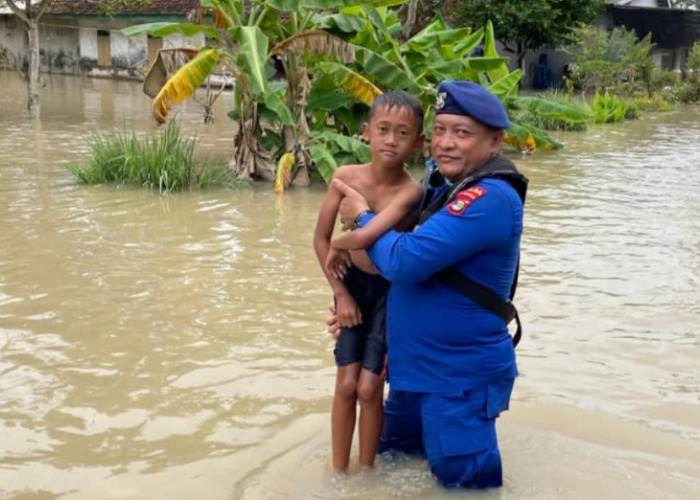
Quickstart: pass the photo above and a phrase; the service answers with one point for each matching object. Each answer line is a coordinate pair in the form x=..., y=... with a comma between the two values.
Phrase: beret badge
x=440, y=100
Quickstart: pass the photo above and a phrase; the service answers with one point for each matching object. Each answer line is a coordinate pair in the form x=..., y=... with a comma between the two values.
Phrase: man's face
x=461, y=145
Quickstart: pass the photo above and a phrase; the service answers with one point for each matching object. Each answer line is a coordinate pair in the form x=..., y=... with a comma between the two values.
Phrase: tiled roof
x=154, y=7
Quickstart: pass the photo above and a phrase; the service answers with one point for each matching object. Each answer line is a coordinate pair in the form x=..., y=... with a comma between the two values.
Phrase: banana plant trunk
x=33, y=71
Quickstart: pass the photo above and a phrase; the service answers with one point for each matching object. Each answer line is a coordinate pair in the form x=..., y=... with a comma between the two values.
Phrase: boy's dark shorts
x=365, y=342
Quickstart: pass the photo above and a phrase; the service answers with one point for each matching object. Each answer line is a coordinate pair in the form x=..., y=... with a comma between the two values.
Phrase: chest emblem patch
x=465, y=198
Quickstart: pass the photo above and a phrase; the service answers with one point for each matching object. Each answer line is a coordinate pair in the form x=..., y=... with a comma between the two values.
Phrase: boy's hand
x=338, y=262
x=351, y=204
x=347, y=310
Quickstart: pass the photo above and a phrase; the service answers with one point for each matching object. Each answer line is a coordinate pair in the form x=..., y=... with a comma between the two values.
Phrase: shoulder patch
x=464, y=199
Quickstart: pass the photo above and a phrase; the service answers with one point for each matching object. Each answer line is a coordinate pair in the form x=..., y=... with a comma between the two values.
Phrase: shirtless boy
x=394, y=131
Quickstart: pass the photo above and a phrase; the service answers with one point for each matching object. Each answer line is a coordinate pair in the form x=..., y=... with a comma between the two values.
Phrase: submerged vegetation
x=162, y=160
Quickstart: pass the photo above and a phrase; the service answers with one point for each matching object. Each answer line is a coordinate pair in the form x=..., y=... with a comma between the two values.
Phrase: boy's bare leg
x=343, y=415
x=370, y=392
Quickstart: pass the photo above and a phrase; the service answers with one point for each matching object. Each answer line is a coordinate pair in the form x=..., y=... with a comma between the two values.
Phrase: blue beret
x=469, y=99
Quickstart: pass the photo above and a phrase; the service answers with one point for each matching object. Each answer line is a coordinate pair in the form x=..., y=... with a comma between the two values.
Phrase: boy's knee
x=369, y=390
x=346, y=388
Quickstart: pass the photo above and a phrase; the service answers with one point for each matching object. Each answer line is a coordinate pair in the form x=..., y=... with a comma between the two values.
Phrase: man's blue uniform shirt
x=439, y=340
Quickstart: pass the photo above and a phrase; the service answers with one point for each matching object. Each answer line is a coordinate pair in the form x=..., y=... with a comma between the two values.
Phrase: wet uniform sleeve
x=478, y=218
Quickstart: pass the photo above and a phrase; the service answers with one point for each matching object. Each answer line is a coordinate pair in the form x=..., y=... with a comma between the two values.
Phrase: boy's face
x=393, y=134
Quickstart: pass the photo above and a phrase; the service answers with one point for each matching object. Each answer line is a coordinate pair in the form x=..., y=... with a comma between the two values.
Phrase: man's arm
x=395, y=212
x=460, y=229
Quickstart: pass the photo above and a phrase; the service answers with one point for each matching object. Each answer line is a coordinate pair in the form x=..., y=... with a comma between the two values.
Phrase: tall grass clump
x=162, y=160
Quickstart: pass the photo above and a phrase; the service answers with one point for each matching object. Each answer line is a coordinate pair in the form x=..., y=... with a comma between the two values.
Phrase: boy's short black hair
x=398, y=99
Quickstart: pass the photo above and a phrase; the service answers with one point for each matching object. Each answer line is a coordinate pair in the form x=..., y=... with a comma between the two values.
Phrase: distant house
x=75, y=38
x=673, y=30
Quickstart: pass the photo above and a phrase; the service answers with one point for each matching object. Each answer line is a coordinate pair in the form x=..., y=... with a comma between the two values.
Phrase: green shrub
x=608, y=108
x=631, y=110
x=614, y=60
x=687, y=92
x=162, y=160
x=575, y=119
x=662, y=78
x=654, y=103
x=692, y=61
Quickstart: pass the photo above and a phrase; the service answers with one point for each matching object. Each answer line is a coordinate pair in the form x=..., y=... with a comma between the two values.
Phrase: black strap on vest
x=501, y=168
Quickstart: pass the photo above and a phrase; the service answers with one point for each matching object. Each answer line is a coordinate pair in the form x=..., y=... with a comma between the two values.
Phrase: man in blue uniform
x=451, y=361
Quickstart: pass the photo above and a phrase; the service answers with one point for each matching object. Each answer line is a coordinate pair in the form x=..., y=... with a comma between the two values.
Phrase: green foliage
x=692, y=61
x=573, y=113
x=610, y=60
x=608, y=108
x=662, y=78
x=654, y=103
x=523, y=25
x=164, y=161
x=336, y=59
x=687, y=92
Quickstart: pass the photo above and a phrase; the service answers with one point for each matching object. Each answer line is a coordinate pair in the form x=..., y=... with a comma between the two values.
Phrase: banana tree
x=244, y=33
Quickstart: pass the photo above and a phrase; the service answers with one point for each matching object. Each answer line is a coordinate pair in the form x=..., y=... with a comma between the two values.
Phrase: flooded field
x=173, y=346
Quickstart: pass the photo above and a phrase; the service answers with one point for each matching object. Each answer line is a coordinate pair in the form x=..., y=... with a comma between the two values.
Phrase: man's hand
x=332, y=324
x=351, y=204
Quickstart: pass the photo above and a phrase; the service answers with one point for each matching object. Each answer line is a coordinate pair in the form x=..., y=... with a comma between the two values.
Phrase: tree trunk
x=521, y=63
x=33, y=71
x=410, y=18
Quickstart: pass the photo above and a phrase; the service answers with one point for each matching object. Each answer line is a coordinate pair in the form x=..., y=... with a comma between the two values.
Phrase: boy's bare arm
x=322, y=236
x=347, y=311
x=407, y=200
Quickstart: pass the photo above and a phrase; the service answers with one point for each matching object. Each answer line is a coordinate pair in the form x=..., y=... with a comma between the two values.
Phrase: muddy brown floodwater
x=173, y=346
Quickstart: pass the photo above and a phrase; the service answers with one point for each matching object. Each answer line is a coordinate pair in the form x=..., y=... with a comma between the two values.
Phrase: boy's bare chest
x=378, y=197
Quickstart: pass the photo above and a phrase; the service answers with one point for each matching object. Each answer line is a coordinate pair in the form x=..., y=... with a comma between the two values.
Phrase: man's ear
x=497, y=139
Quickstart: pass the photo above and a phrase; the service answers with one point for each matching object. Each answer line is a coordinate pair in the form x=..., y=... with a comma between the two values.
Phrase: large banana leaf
x=490, y=51
x=252, y=56
x=464, y=47
x=184, y=82
x=283, y=174
x=167, y=62
x=550, y=109
x=354, y=83
x=384, y=71
x=434, y=39
x=324, y=161
x=327, y=100
x=345, y=22
x=508, y=85
x=487, y=64
x=519, y=136
x=274, y=103
x=349, y=144
x=165, y=29
x=317, y=42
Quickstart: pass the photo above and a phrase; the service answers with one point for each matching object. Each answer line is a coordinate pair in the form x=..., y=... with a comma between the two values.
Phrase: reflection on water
x=172, y=347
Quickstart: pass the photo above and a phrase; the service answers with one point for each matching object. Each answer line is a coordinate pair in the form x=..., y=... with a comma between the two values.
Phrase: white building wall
x=59, y=49
x=88, y=46
x=128, y=52
x=640, y=3
x=13, y=41
x=177, y=40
